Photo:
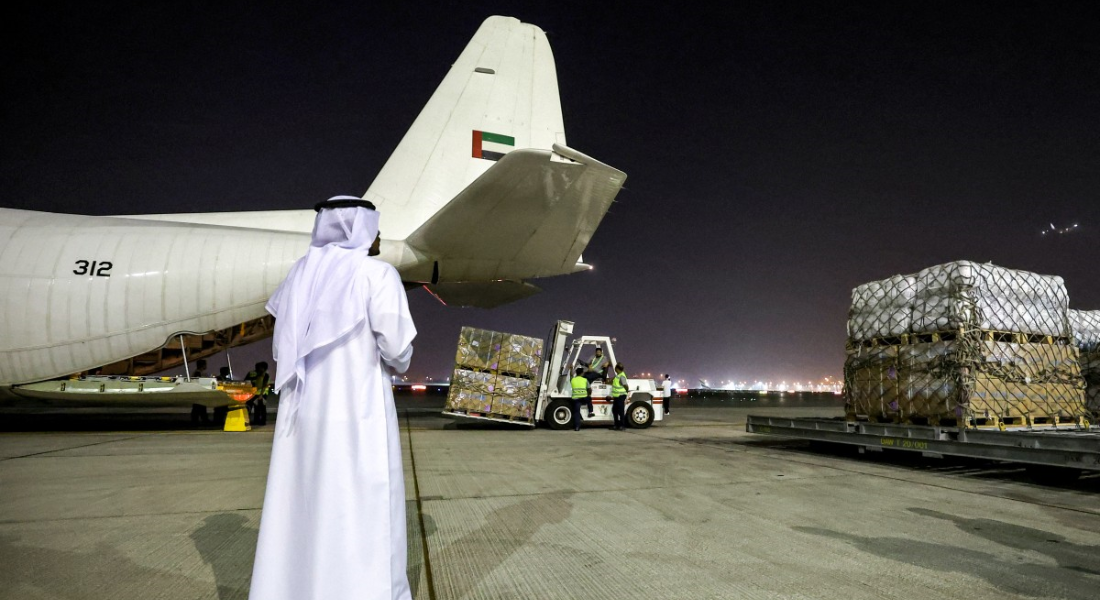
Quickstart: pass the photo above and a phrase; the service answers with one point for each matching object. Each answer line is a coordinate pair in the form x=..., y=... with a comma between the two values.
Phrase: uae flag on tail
x=492, y=146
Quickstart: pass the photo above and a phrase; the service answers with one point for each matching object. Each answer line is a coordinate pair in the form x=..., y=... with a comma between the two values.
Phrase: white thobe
x=333, y=522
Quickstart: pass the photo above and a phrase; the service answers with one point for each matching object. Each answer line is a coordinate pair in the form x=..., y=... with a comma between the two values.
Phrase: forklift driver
x=597, y=366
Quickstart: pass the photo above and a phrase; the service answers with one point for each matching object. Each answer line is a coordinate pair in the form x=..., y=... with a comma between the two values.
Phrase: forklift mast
x=552, y=363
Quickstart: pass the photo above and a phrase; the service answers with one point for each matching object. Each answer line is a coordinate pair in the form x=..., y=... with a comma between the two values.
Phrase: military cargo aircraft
x=480, y=195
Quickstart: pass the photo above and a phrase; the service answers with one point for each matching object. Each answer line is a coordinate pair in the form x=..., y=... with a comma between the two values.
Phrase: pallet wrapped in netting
x=964, y=380
x=1085, y=325
x=960, y=295
x=882, y=309
x=963, y=343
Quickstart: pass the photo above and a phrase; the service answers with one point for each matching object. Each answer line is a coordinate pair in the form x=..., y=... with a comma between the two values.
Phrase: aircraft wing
x=530, y=215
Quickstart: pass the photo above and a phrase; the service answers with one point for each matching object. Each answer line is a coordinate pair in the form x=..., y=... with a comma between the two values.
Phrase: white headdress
x=323, y=299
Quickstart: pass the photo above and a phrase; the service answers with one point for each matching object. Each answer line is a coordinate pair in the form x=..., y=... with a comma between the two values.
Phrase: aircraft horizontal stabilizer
x=530, y=215
x=480, y=294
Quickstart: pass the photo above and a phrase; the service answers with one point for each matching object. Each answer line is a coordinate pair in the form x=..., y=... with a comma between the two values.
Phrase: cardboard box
x=478, y=349
x=520, y=356
x=471, y=391
x=964, y=377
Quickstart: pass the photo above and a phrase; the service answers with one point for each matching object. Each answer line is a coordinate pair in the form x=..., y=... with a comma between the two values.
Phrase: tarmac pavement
x=691, y=508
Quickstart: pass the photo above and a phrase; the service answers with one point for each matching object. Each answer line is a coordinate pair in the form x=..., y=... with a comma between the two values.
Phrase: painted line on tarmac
x=133, y=516
x=420, y=514
x=636, y=489
x=133, y=437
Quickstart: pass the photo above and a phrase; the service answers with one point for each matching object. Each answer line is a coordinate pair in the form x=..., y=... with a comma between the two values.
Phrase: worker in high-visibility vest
x=581, y=396
x=261, y=380
x=618, y=398
x=597, y=366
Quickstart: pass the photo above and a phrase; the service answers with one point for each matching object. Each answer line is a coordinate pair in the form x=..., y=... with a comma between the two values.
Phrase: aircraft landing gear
x=199, y=414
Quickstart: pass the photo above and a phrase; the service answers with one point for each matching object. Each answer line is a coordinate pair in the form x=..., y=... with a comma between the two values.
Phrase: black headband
x=343, y=204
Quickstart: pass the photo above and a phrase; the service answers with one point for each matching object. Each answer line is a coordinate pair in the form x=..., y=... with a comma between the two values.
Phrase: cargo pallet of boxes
x=963, y=344
x=1086, y=333
x=495, y=376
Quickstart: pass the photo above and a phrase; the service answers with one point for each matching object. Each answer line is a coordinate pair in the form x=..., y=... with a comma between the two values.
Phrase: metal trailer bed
x=1065, y=447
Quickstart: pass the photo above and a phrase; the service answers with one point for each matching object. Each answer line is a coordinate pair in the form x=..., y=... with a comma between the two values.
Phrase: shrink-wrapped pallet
x=983, y=342
x=1085, y=325
x=471, y=391
x=951, y=380
x=963, y=294
x=882, y=308
x=514, y=397
x=495, y=374
x=1086, y=334
x=520, y=355
x=478, y=349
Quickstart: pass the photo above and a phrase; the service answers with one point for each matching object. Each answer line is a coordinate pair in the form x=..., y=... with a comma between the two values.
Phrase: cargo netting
x=1085, y=325
x=496, y=375
x=963, y=343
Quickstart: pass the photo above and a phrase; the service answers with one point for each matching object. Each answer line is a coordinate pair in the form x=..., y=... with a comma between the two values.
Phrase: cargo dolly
x=1065, y=451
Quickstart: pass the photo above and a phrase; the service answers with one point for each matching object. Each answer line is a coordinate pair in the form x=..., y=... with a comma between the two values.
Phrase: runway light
x=419, y=387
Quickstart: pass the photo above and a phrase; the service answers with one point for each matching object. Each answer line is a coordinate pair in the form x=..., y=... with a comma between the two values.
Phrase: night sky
x=778, y=155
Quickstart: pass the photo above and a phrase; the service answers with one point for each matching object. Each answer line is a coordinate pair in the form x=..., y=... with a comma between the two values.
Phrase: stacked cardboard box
x=478, y=349
x=520, y=355
x=471, y=391
x=1086, y=334
x=962, y=341
x=496, y=374
x=515, y=397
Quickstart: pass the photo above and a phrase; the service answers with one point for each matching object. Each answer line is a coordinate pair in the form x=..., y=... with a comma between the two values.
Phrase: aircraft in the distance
x=1059, y=230
x=480, y=195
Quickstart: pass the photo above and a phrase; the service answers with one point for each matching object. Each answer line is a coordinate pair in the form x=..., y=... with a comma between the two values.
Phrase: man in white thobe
x=333, y=522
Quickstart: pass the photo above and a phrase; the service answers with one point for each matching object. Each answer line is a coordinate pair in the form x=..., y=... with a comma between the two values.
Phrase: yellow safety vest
x=580, y=386
x=618, y=385
x=259, y=382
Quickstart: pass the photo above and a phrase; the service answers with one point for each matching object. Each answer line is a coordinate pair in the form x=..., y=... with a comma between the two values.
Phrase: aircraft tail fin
x=500, y=95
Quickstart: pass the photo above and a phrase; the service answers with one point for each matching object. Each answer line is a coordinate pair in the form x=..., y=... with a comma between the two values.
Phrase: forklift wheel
x=559, y=415
x=640, y=415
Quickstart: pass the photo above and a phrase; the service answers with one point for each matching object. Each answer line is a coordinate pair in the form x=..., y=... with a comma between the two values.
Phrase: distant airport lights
x=825, y=385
